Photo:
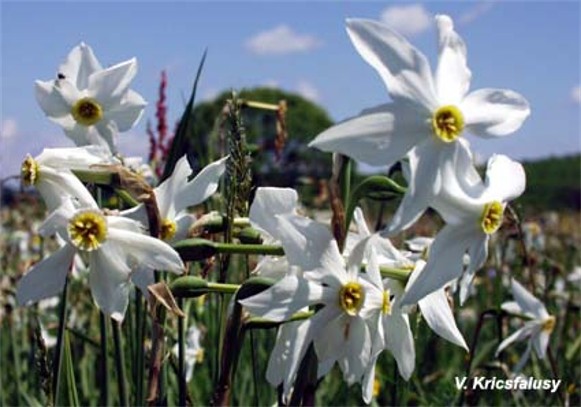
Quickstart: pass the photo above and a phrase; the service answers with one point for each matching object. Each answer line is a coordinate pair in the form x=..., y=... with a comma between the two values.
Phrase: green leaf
x=179, y=146
x=68, y=388
x=377, y=187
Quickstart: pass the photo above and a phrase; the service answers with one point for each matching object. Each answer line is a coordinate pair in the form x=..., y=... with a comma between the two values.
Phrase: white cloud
x=308, y=91
x=271, y=83
x=475, y=12
x=281, y=40
x=9, y=129
x=576, y=94
x=410, y=19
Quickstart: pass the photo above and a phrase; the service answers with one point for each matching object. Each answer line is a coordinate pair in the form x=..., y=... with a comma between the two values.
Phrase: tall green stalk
x=119, y=362
x=57, y=361
x=103, y=361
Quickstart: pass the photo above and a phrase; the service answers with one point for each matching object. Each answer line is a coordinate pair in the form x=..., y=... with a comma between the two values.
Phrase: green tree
x=296, y=162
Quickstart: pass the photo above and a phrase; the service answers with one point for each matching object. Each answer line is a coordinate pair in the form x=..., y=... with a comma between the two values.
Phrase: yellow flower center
x=200, y=355
x=448, y=123
x=87, y=111
x=351, y=297
x=491, y=218
x=88, y=230
x=29, y=171
x=376, y=387
x=549, y=324
x=386, y=306
x=168, y=229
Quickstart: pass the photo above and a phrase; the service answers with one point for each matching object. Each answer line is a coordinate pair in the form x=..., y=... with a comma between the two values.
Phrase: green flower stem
x=190, y=287
x=119, y=362
x=57, y=362
x=263, y=323
x=345, y=181
x=266, y=250
x=139, y=367
x=216, y=223
x=199, y=249
x=103, y=361
x=16, y=359
x=395, y=273
x=181, y=358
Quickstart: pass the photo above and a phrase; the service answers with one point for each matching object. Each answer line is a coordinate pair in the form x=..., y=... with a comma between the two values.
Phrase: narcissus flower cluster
x=93, y=104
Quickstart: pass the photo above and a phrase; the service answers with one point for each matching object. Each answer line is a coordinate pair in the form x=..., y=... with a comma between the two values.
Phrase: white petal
x=452, y=74
x=310, y=245
x=176, y=193
x=361, y=223
x=541, y=342
x=56, y=186
x=51, y=100
x=143, y=277
x=105, y=135
x=505, y=179
x=380, y=137
x=146, y=250
x=419, y=243
x=478, y=253
x=289, y=336
x=269, y=202
x=201, y=187
x=127, y=112
x=511, y=307
x=184, y=222
x=137, y=217
x=307, y=329
x=494, y=112
x=357, y=350
x=528, y=302
x=524, y=359
x=355, y=260
x=331, y=341
x=400, y=342
x=109, y=86
x=79, y=65
x=69, y=92
x=284, y=299
x=368, y=381
x=404, y=70
x=75, y=158
x=436, y=310
x=46, y=278
x=109, y=280
x=425, y=160
x=444, y=262
x=57, y=220
x=126, y=223
x=460, y=199
x=518, y=335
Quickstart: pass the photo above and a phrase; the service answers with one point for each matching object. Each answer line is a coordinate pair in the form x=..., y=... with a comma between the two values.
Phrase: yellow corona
x=88, y=230
x=448, y=123
x=87, y=111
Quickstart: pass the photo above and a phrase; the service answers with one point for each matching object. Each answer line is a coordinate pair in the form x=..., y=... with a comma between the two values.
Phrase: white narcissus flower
x=429, y=114
x=113, y=246
x=434, y=307
x=90, y=103
x=473, y=211
x=338, y=331
x=194, y=352
x=50, y=172
x=173, y=197
x=537, y=330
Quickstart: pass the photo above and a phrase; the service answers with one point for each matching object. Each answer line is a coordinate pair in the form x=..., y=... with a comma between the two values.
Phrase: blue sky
x=530, y=47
